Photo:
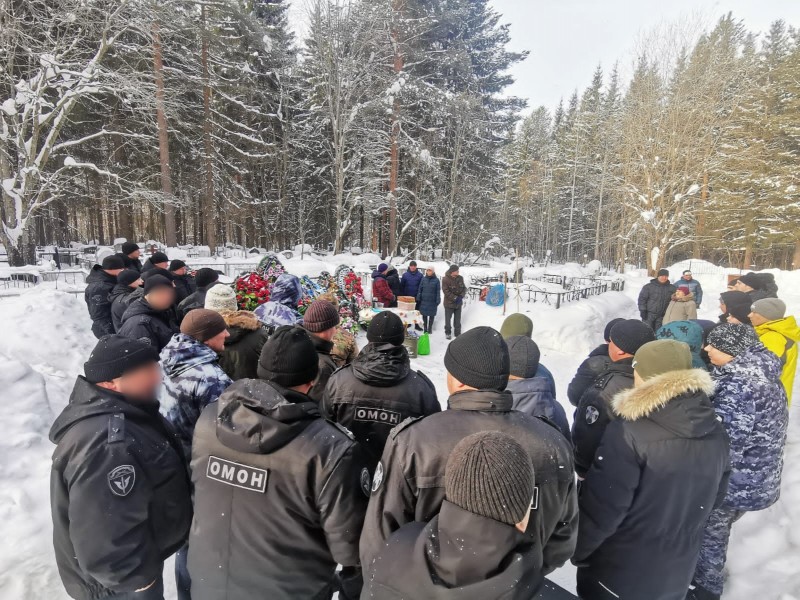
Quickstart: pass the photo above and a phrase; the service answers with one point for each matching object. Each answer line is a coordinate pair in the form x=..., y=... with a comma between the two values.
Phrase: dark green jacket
x=243, y=347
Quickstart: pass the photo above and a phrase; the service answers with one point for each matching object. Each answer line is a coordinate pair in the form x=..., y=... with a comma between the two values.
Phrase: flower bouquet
x=251, y=291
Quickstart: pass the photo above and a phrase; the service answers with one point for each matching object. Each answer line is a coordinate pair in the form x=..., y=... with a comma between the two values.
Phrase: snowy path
x=45, y=337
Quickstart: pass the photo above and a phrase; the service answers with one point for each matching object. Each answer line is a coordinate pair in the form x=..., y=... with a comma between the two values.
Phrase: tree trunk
x=796, y=256
x=208, y=208
x=700, y=227
x=394, y=162
x=163, y=140
x=748, y=256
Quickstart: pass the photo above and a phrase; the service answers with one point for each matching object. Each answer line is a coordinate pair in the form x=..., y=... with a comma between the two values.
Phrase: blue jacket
x=429, y=295
x=192, y=380
x=688, y=332
x=751, y=401
x=694, y=287
x=282, y=306
x=535, y=397
x=409, y=283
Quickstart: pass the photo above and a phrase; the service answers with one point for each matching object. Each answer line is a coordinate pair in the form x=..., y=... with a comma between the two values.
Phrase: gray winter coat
x=278, y=497
x=535, y=397
x=98, y=288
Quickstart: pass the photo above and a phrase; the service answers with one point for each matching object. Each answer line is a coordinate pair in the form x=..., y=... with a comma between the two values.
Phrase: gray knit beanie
x=771, y=309
x=490, y=474
x=221, y=297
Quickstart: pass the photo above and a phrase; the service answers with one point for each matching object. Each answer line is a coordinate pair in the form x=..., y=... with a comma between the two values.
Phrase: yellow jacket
x=781, y=337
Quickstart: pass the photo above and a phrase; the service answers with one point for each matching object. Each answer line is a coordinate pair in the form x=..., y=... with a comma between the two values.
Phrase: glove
x=350, y=583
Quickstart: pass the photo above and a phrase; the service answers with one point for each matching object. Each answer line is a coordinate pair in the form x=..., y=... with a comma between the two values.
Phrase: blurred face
x=687, y=276
x=679, y=294
x=663, y=278
x=217, y=343
x=161, y=298
x=135, y=254
x=162, y=265
x=454, y=274
x=742, y=287
x=140, y=385
x=756, y=319
x=429, y=272
x=413, y=268
x=718, y=358
x=181, y=271
x=136, y=283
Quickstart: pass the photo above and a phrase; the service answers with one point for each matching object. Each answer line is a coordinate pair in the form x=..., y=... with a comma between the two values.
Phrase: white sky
x=568, y=38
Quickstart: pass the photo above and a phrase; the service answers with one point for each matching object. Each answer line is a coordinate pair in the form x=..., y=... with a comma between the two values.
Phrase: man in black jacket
x=597, y=362
x=379, y=390
x=99, y=284
x=409, y=481
x=320, y=322
x=594, y=408
x=204, y=280
x=151, y=318
x=121, y=296
x=119, y=489
x=130, y=256
x=473, y=549
x=654, y=299
x=184, y=283
x=279, y=499
x=157, y=260
x=660, y=470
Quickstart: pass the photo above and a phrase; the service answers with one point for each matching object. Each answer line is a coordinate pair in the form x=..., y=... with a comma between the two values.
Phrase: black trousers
x=453, y=314
x=427, y=323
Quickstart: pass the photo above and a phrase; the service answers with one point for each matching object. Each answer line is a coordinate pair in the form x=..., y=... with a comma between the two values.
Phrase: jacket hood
x=87, y=400
x=98, y=274
x=601, y=350
x=531, y=385
x=240, y=323
x=376, y=274
x=481, y=400
x=382, y=365
x=678, y=401
x=686, y=298
x=258, y=417
x=688, y=332
x=787, y=327
x=183, y=353
x=467, y=553
x=757, y=362
x=286, y=290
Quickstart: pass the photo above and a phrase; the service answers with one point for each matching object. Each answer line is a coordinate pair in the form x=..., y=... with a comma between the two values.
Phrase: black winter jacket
x=393, y=279
x=278, y=497
x=534, y=396
x=594, y=413
x=661, y=468
x=655, y=298
x=119, y=493
x=131, y=263
x=184, y=287
x=243, y=346
x=196, y=299
x=121, y=297
x=142, y=322
x=98, y=287
x=597, y=362
x=376, y=392
x=409, y=481
x=326, y=366
x=456, y=556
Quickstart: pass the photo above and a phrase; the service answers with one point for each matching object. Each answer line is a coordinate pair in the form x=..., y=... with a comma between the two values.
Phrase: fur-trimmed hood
x=243, y=319
x=678, y=401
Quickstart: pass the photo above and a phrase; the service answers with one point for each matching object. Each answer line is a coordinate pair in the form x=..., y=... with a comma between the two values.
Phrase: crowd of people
x=247, y=445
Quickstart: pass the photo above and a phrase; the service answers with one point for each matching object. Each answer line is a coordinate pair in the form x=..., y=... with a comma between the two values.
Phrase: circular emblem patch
x=121, y=480
x=365, y=481
x=377, y=480
x=592, y=414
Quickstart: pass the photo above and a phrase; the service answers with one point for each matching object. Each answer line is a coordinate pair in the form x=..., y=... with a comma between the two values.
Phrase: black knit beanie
x=129, y=248
x=630, y=335
x=205, y=277
x=452, y=269
x=752, y=280
x=609, y=327
x=157, y=271
x=289, y=358
x=176, y=264
x=732, y=338
x=156, y=281
x=203, y=324
x=115, y=355
x=524, y=356
x=112, y=263
x=128, y=276
x=386, y=328
x=479, y=358
x=738, y=305
x=490, y=474
x=158, y=258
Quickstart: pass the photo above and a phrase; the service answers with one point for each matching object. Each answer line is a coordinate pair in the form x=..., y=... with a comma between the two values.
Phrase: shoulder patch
x=592, y=414
x=116, y=428
x=404, y=425
x=343, y=429
x=121, y=480
x=366, y=482
x=377, y=479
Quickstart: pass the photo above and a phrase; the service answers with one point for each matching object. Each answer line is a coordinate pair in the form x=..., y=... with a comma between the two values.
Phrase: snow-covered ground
x=45, y=337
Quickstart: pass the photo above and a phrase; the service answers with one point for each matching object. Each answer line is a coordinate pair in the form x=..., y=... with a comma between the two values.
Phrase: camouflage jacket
x=192, y=380
x=751, y=402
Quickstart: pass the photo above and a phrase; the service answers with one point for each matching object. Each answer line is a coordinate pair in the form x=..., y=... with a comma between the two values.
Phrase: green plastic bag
x=424, y=345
